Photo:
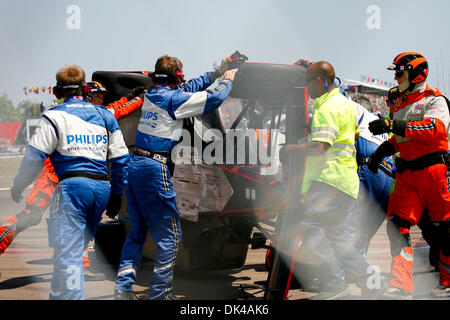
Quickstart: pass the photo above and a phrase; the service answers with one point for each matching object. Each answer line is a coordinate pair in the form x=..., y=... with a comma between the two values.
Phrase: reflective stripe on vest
x=341, y=150
x=324, y=132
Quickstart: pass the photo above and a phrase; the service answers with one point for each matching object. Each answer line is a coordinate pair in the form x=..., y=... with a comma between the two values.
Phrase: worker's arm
x=312, y=148
x=123, y=107
x=433, y=127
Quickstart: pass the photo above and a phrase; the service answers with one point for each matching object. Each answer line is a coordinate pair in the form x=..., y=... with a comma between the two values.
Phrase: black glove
x=136, y=92
x=385, y=125
x=386, y=149
x=231, y=62
x=382, y=125
x=16, y=193
x=235, y=60
x=114, y=204
x=393, y=94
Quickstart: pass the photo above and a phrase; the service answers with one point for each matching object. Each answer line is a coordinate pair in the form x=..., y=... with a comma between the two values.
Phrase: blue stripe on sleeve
x=119, y=173
x=53, y=125
x=31, y=165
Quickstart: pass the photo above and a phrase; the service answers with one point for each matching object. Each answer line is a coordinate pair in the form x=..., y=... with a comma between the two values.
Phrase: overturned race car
x=228, y=177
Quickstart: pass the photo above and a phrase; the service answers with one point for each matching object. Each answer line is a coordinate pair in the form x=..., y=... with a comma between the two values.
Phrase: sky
x=358, y=37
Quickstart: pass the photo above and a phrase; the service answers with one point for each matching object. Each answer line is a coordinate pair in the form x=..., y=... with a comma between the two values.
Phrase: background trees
x=26, y=109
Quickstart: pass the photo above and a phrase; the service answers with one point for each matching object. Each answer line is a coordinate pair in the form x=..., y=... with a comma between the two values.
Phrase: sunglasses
x=399, y=74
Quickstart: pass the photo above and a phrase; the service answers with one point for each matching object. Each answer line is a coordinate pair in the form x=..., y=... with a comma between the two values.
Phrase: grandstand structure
x=375, y=93
x=353, y=86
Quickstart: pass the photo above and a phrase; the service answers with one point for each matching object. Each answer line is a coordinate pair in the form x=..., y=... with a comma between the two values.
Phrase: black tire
x=210, y=245
x=109, y=240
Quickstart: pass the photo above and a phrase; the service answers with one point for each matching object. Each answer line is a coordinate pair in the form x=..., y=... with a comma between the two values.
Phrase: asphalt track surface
x=26, y=269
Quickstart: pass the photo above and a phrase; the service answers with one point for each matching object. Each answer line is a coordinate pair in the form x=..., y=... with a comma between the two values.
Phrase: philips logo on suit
x=87, y=138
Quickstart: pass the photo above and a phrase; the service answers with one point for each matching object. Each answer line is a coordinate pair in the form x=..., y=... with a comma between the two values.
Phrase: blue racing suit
x=150, y=194
x=375, y=189
x=80, y=140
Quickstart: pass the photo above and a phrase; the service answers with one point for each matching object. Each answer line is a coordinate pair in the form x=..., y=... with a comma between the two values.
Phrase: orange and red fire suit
x=422, y=181
x=123, y=108
x=38, y=200
x=44, y=185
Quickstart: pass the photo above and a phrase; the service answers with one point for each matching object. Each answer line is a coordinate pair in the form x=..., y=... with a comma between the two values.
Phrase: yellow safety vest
x=334, y=122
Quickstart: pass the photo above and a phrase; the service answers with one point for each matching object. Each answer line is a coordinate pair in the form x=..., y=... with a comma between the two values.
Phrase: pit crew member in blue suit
x=150, y=194
x=81, y=140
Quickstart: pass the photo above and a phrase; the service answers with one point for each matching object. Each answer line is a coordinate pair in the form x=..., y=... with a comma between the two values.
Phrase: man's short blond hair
x=70, y=74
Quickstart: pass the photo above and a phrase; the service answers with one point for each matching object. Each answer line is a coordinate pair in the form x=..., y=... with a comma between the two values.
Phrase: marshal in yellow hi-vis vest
x=334, y=122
